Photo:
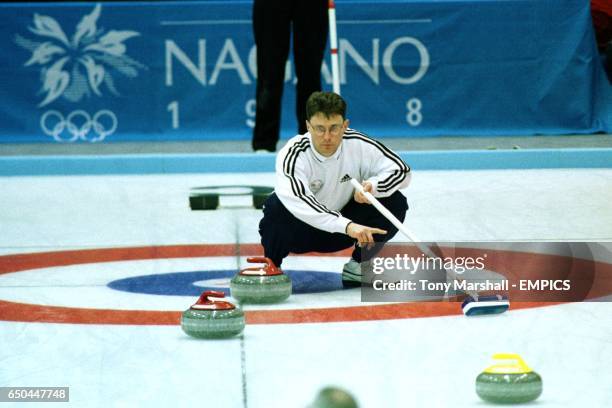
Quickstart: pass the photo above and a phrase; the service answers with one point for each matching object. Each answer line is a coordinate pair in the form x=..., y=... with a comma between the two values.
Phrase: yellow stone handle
x=512, y=364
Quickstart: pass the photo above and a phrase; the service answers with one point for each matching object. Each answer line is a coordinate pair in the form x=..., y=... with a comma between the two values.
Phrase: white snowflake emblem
x=77, y=67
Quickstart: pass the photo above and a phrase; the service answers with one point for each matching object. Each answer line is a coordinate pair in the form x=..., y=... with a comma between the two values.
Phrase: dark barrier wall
x=103, y=72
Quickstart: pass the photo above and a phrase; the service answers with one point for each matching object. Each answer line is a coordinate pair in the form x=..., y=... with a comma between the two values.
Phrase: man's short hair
x=327, y=103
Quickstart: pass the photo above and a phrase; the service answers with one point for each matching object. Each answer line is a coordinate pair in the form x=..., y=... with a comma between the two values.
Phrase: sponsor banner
x=93, y=73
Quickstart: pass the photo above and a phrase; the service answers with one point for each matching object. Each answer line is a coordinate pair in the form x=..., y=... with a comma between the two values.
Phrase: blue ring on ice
x=195, y=282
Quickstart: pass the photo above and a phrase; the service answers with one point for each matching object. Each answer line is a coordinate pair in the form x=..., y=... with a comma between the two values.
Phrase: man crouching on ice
x=313, y=208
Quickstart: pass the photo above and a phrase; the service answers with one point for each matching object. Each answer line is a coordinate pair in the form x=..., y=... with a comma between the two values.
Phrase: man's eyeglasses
x=319, y=130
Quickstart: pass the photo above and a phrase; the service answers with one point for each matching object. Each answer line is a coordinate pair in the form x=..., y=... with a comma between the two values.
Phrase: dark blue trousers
x=281, y=232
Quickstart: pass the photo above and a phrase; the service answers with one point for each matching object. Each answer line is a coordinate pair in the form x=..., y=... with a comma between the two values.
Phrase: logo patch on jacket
x=315, y=185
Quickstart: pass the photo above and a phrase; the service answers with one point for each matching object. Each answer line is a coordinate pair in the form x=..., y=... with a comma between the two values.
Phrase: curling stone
x=333, y=397
x=509, y=383
x=259, y=199
x=203, y=201
x=212, y=318
x=207, y=198
x=261, y=284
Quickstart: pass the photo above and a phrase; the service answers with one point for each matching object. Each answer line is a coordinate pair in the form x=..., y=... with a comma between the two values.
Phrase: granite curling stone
x=203, y=201
x=334, y=397
x=261, y=284
x=509, y=383
x=212, y=318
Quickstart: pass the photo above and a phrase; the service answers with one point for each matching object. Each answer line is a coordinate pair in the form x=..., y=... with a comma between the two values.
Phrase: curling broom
x=474, y=304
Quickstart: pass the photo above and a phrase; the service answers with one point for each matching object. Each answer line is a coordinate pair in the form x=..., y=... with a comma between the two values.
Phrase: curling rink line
x=409, y=362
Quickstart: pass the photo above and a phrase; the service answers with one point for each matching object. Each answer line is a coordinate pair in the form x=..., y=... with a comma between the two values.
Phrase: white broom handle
x=388, y=215
x=404, y=230
x=333, y=40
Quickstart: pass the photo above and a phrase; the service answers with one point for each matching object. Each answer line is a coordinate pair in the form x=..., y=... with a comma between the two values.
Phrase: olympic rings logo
x=78, y=125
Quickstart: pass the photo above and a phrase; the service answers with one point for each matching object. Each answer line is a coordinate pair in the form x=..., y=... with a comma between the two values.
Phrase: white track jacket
x=309, y=185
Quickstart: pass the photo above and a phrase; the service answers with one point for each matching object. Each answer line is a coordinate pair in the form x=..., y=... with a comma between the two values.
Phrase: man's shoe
x=351, y=274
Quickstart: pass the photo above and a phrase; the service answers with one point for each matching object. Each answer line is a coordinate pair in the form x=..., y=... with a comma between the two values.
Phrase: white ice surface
x=393, y=363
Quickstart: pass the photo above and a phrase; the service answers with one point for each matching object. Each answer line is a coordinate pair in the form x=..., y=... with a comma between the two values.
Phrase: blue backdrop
x=77, y=72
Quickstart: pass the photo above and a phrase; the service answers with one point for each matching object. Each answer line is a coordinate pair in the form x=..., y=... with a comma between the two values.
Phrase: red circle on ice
x=26, y=312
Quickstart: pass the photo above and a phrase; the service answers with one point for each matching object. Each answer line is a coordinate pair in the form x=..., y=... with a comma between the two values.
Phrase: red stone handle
x=206, y=303
x=205, y=296
x=270, y=269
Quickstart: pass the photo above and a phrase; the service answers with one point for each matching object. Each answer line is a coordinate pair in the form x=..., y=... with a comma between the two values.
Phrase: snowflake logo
x=78, y=67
